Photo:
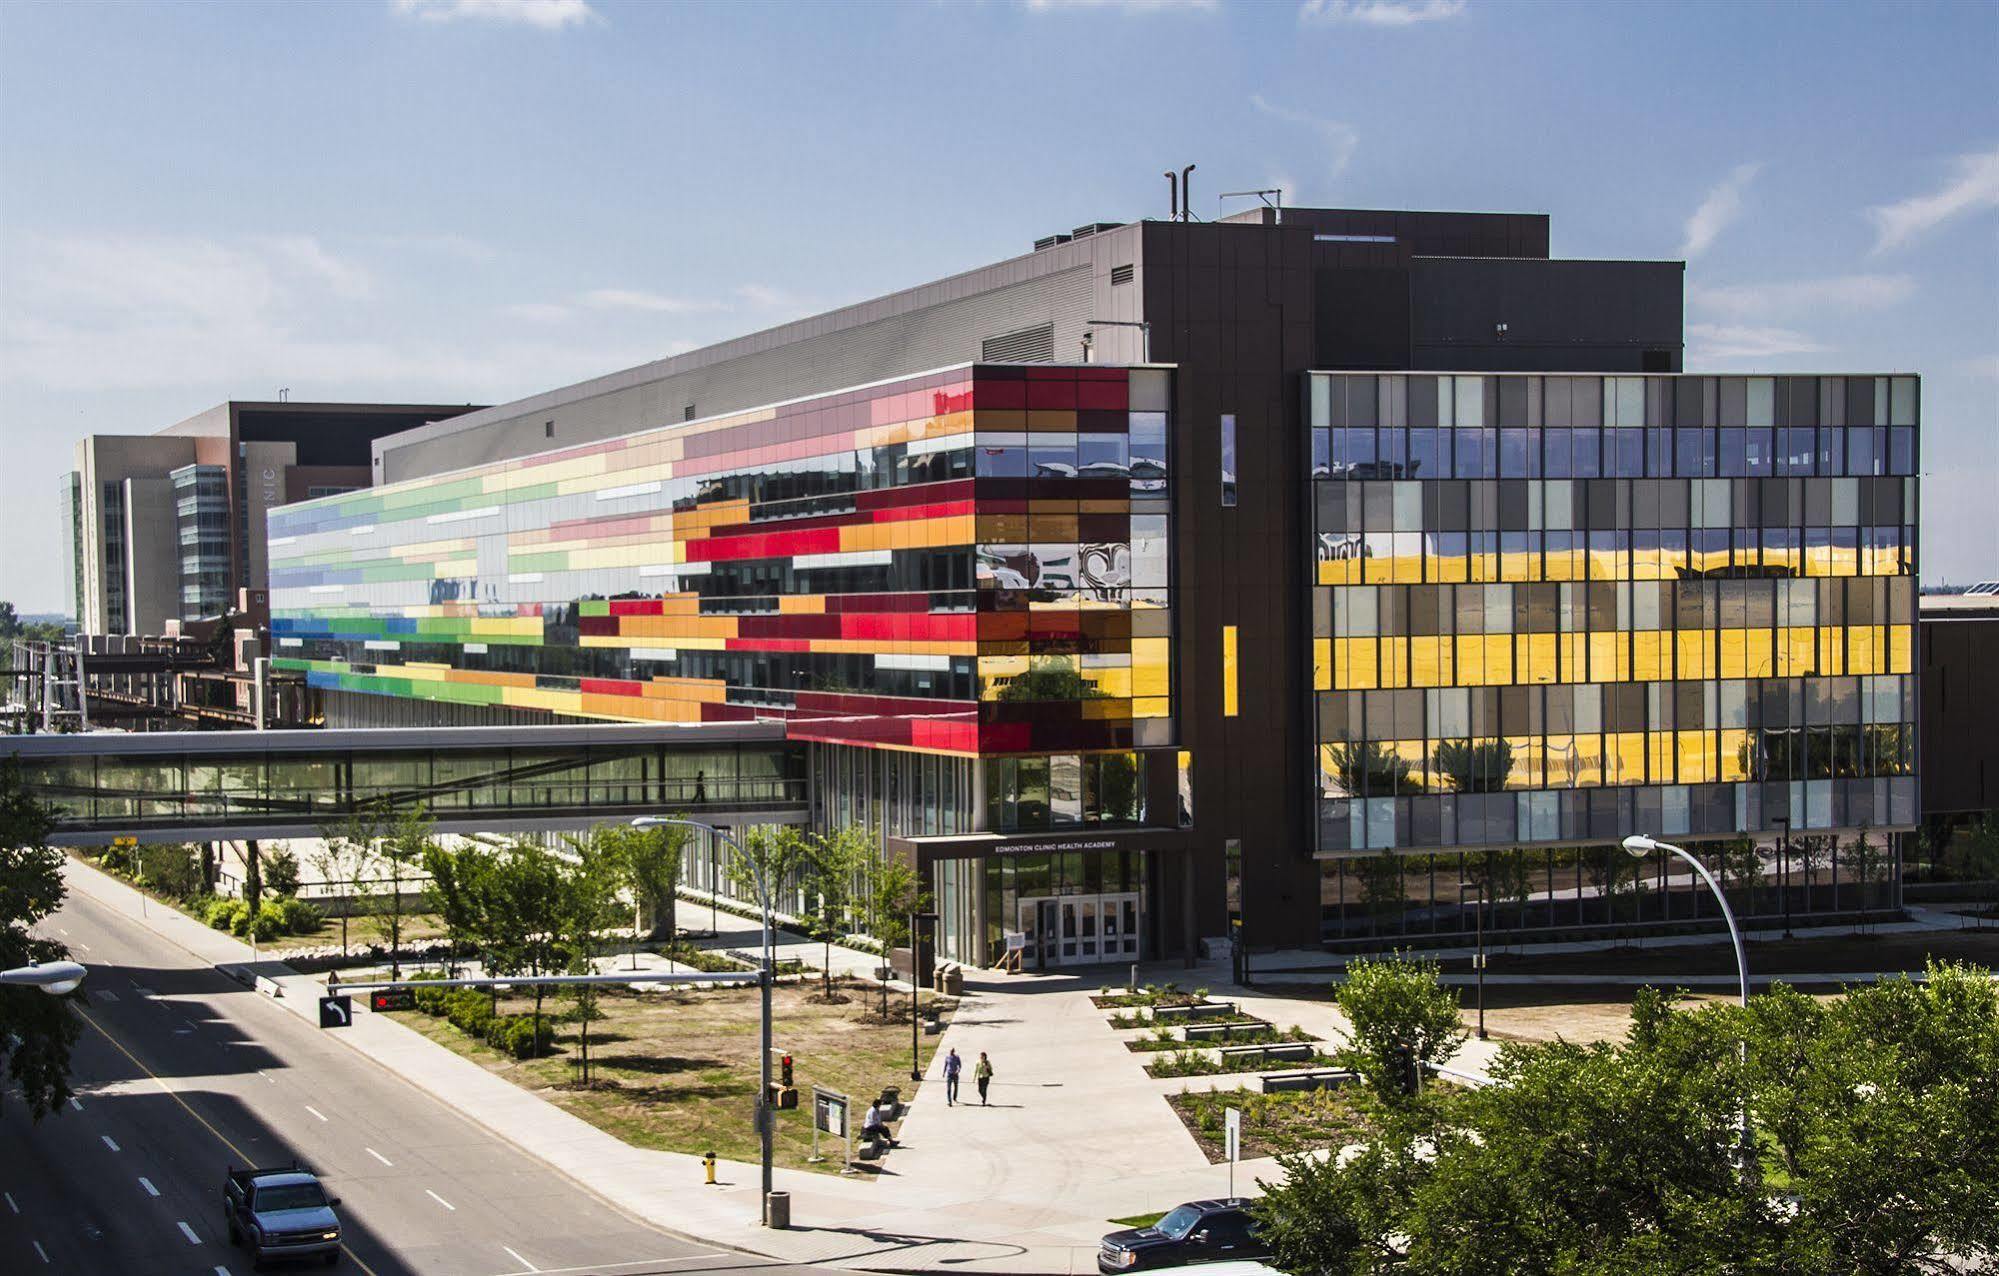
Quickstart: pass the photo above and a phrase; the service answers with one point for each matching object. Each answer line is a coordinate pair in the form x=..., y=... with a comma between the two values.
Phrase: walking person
x=953, y=1065
x=982, y=1076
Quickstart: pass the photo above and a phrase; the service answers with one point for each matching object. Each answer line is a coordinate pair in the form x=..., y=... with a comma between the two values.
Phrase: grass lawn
x=361, y=931
x=1272, y=1124
x=677, y=1071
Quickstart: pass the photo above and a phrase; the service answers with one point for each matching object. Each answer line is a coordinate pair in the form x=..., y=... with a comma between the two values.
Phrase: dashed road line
x=386, y=1161
x=188, y=1232
x=74, y=1104
x=315, y=1111
x=440, y=1200
x=44, y=1253
x=522, y=1261
x=107, y=994
x=10, y=1202
x=110, y=1142
x=148, y=1185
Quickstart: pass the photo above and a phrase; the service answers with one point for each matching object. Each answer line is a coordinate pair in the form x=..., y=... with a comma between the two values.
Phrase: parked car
x=280, y=1214
x=1197, y=1232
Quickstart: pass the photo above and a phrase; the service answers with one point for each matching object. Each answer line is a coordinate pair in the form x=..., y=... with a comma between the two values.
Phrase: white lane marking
x=266, y=1076
x=109, y=1142
x=107, y=994
x=440, y=1200
x=315, y=1111
x=188, y=1232
x=183, y=1032
x=44, y=1253
x=74, y=1105
x=600, y=1268
x=517, y=1258
x=222, y=1271
x=86, y=948
x=386, y=1161
x=10, y=1202
x=63, y=929
x=148, y=1185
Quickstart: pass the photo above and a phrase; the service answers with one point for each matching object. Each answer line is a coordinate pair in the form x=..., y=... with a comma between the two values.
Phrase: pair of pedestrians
x=982, y=1076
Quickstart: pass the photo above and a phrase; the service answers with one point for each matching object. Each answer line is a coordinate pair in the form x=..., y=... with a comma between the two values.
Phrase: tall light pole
x=1478, y=953
x=766, y=1114
x=1640, y=846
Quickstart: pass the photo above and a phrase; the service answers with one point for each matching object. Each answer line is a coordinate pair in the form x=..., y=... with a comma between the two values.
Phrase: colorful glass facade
x=1556, y=609
x=972, y=561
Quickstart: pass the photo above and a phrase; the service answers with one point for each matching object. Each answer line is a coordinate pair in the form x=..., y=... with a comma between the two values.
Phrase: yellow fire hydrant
x=708, y=1164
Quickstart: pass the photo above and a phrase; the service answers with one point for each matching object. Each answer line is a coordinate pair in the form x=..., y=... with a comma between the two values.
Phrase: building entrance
x=1079, y=930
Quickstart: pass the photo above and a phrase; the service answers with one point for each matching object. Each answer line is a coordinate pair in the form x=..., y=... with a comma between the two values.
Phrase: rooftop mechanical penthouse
x=1346, y=535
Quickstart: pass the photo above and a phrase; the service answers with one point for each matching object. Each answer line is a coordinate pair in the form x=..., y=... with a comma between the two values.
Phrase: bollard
x=708, y=1164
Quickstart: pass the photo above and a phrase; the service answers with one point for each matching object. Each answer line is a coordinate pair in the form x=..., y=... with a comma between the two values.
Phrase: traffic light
x=784, y=1070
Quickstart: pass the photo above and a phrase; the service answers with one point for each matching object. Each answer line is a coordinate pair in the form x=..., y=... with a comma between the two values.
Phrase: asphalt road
x=182, y=1072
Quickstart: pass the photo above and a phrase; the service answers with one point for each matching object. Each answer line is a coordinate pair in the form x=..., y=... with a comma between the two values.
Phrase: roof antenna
x=1173, y=185
x=1187, y=193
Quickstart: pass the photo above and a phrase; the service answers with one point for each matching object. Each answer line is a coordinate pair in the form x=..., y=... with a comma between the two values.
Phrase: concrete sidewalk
x=1076, y=1135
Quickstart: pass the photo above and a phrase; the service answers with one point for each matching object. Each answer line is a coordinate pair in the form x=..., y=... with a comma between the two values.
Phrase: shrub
x=171, y=868
x=270, y=922
x=281, y=873
x=469, y=1010
x=226, y=914
x=296, y=916
x=516, y=1035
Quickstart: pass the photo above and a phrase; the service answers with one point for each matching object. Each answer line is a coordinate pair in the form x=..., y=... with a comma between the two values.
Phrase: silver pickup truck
x=280, y=1214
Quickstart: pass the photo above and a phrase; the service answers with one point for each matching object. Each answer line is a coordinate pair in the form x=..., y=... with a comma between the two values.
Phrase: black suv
x=1197, y=1232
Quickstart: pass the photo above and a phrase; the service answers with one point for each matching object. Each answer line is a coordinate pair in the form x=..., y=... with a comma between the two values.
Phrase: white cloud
x=1722, y=205
x=1976, y=187
x=1126, y=6
x=1839, y=292
x=1707, y=342
x=1341, y=139
x=1983, y=366
x=635, y=299
x=1378, y=13
x=548, y=15
x=306, y=253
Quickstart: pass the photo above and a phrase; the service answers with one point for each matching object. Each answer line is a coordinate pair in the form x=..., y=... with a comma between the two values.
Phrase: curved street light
x=1640, y=846
x=53, y=977
x=766, y=1115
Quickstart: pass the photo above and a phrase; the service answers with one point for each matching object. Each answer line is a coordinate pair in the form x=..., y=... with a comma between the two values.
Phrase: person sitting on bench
x=875, y=1126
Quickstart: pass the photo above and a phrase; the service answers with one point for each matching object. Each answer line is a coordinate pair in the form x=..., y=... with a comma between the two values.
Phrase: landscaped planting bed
x=1273, y=1124
x=1207, y=1063
x=1255, y=1033
x=1150, y=995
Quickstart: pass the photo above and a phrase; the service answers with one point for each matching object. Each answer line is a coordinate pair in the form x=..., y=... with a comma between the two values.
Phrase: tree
x=346, y=857
x=841, y=859
x=407, y=837
x=587, y=899
x=1739, y=863
x=1399, y=1018
x=1973, y=854
x=776, y=853
x=648, y=860
x=37, y=1031
x=1870, y=864
x=458, y=892
x=526, y=917
x=281, y=872
x=1368, y=767
x=894, y=892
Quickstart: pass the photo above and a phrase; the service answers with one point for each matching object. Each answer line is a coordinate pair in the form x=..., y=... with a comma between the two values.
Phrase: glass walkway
x=218, y=785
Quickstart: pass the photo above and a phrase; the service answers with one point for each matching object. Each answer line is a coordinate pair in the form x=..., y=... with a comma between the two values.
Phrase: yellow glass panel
x=1408, y=568
x=1363, y=664
x=1538, y=657
x=1899, y=648
x=1150, y=659
x=1734, y=755
x=1624, y=757
x=1515, y=566
x=1558, y=565
x=1394, y=662
x=1229, y=682
x=1797, y=653
x=1322, y=664
x=1448, y=569
x=1648, y=661
x=1587, y=761
x=1429, y=662
x=1607, y=655
x=1471, y=660
x=1832, y=646
x=1757, y=660
x=1151, y=707
x=1660, y=750
x=1695, y=650
x=1696, y=758
x=1526, y=771
x=1498, y=660
x=1378, y=571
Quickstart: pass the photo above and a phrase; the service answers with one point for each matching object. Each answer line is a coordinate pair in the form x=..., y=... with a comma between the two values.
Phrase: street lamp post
x=1640, y=846
x=53, y=977
x=1478, y=952
x=766, y=1115
x=1783, y=823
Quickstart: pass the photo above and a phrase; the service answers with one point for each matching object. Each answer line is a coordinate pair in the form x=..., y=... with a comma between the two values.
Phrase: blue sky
x=471, y=200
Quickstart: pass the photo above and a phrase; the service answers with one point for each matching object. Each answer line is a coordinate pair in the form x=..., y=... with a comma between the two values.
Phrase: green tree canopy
x=1398, y=1015
x=37, y=1031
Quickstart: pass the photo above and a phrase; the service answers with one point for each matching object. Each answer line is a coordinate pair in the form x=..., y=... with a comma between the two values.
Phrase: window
x=548, y=429
x=1354, y=239
x=687, y=413
x=1228, y=461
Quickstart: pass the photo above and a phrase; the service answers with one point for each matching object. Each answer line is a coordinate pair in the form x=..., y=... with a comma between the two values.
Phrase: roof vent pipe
x=1186, y=192
x=1173, y=185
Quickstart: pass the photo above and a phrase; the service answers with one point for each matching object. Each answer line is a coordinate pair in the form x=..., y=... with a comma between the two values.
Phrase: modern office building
x=1178, y=575
x=171, y=525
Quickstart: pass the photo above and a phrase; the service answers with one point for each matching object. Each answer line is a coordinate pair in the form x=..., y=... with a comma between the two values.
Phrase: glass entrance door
x=1078, y=930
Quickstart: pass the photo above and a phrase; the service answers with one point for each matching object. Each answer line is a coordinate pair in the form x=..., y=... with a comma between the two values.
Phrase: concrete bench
x=1297, y=1050
x=1200, y=1010
x=1221, y=1031
x=1304, y=1079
